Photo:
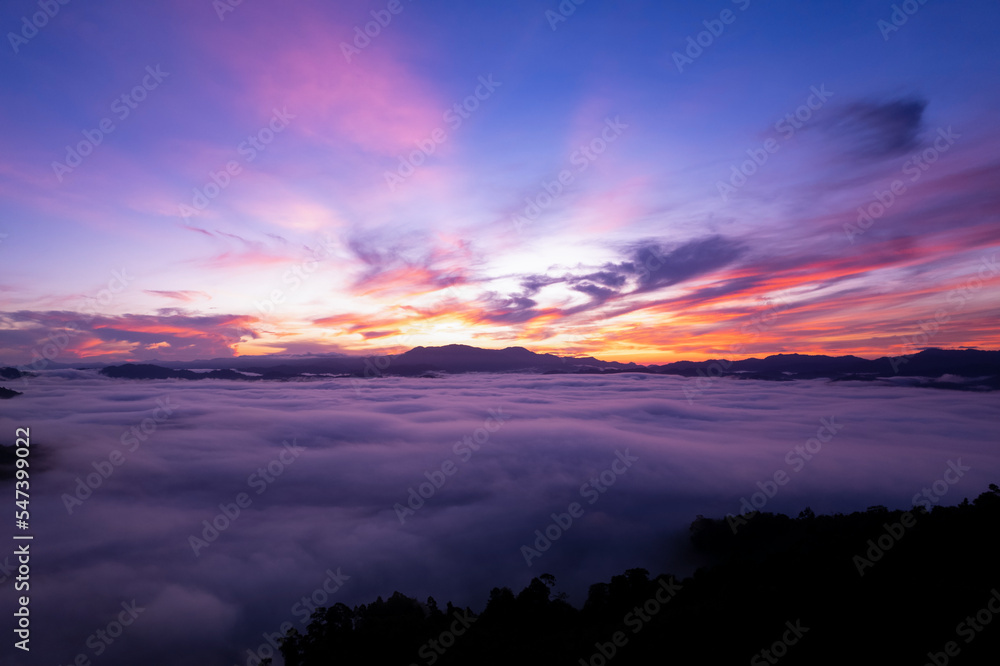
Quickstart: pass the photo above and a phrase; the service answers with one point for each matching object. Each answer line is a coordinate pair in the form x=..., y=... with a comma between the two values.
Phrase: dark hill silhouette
x=463, y=358
x=984, y=366
x=789, y=586
x=146, y=371
x=11, y=373
x=978, y=370
x=928, y=363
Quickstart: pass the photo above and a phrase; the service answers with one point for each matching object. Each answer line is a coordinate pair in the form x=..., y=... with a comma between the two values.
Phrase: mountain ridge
x=956, y=369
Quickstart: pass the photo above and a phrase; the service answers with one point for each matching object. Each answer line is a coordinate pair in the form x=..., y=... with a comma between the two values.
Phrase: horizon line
x=106, y=362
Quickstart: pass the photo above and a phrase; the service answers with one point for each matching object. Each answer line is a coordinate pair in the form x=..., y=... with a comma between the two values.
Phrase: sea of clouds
x=335, y=509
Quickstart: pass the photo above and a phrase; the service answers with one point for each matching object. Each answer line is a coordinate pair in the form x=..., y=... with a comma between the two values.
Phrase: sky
x=126, y=474
x=639, y=181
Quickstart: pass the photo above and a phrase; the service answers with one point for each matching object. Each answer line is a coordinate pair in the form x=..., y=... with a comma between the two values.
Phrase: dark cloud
x=597, y=292
x=370, y=335
x=648, y=266
x=373, y=251
x=176, y=335
x=878, y=130
x=656, y=267
x=509, y=309
x=608, y=278
x=534, y=283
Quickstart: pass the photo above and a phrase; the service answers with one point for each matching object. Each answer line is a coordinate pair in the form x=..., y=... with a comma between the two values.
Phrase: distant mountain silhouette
x=146, y=371
x=11, y=373
x=937, y=368
x=936, y=364
x=415, y=362
x=463, y=358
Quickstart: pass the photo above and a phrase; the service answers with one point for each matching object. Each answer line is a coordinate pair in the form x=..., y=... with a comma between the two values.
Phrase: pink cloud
x=374, y=102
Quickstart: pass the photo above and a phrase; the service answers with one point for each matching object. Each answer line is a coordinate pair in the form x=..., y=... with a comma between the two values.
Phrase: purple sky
x=248, y=176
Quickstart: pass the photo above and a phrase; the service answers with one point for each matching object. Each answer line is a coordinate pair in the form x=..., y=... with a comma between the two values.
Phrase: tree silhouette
x=774, y=573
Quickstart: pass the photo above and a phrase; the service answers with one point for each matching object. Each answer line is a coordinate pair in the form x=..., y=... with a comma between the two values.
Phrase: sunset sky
x=276, y=181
